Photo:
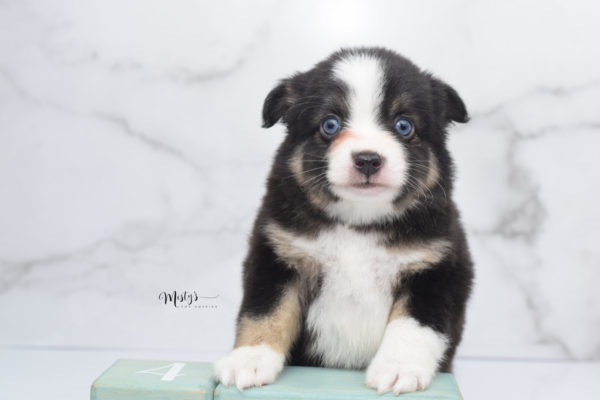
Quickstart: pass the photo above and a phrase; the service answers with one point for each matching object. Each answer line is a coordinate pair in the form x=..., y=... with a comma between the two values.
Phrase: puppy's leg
x=424, y=326
x=268, y=324
x=408, y=355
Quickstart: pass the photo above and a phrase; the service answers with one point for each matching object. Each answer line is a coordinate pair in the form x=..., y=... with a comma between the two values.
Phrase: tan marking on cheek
x=279, y=329
x=295, y=164
x=433, y=175
x=399, y=309
x=423, y=187
x=406, y=202
x=318, y=199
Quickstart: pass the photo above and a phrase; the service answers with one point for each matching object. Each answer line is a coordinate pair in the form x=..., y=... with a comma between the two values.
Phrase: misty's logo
x=187, y=299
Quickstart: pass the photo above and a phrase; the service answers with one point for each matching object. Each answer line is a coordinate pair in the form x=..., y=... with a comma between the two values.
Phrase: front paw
x=385, y=375
x=249, y=366
x=407, y=358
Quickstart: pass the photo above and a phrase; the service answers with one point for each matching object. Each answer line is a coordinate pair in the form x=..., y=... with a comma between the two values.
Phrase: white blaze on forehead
x=364, y=77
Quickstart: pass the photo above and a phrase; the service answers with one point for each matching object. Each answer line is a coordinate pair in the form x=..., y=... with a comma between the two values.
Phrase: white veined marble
x=132, y=160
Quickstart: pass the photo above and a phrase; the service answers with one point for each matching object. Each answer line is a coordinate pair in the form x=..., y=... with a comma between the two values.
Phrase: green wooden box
x=297, y=383
x=177, y=380
x=155, y=380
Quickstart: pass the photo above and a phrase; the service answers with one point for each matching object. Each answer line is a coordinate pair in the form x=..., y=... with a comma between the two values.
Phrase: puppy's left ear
x=276, y=105
x=453, y=106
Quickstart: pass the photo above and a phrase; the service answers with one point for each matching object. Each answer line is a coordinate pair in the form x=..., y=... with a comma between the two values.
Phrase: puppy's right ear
x=276, y=104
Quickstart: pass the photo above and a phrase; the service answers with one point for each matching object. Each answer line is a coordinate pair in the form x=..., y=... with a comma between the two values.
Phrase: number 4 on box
x=168, y=372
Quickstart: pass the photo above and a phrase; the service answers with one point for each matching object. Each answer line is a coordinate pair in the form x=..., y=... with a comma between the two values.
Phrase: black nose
x=367, y=163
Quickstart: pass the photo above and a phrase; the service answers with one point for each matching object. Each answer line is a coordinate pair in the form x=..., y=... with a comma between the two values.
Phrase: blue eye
x=403, y=127
x=331, y=125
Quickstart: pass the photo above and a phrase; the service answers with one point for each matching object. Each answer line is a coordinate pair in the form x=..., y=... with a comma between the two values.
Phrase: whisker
x=418, y=189
x=315, y=177
x=308, y=170
x=318, y=182
x=315, y=182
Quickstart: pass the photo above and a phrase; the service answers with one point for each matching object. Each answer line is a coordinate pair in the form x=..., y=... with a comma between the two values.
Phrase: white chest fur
x=349, y=316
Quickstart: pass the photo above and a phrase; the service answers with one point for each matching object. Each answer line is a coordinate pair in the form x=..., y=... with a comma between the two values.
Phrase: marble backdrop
x=132, y=161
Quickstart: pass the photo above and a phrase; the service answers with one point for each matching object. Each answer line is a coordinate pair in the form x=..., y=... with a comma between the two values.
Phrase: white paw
x=249, y=366
x=407, y=358
x=397, y=376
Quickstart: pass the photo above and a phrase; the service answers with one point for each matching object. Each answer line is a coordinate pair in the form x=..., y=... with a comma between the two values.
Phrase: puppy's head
x=366, y=133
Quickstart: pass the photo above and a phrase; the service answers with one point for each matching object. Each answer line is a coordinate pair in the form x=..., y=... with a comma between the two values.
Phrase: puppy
x=357, y=258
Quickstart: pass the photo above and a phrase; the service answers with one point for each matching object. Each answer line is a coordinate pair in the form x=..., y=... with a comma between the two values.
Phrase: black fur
x=438, y=295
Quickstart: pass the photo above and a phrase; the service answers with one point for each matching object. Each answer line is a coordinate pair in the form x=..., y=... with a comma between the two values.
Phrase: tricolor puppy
x=357, y=258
